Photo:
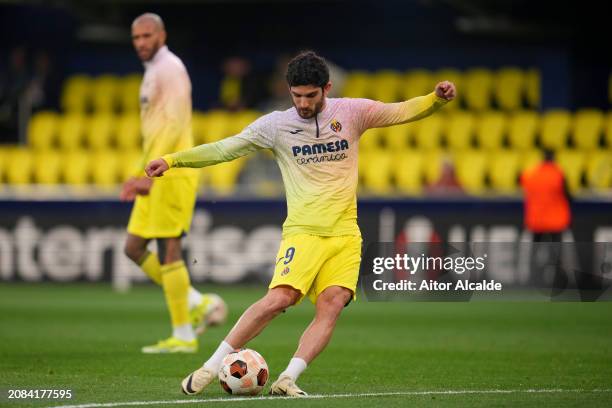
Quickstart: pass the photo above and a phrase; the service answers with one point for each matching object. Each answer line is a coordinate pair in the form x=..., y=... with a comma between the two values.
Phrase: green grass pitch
x=87, y=338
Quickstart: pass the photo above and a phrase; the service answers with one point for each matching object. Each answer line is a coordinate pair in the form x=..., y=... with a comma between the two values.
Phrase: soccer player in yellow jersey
x=315, y=144
x=163, y=208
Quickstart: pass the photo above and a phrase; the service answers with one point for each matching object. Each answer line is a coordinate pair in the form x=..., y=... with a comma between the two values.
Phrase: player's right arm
x=258, y=135
x=204, y=155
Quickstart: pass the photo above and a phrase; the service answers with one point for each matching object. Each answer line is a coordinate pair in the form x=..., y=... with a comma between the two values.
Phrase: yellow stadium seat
x=357, y=85
x=522, y=129
x=608, y=130
x=104, y=93
x=240, y=120
x=371, y=139
x=470, y=167
x=129, y=93
x=477, y=88
x=76, y=167
x=509, y=88
x=76, y=93
x=573, y=164
x=432, y=168
x=204, y=176
x=127, y=133
x=19, y=166
x=198, y=126
x=42, y=130
x=361, y=165
x=129, y=160
x=224, y=176
x=416, y=82
x=599, y=170
x=453, y=75
x=217, y=126
x=587, y=128
x=396, y=138
x=530, y=158
x=504, y=168
x=230, y=90
x=71, y=130
x=100, y=130
x=459, y=130
x=199, y=123
x=490, y=130
x=376, y=171
x=427, y=132
x=408, y=171
x=105, y=168
x=385, y=86
x=47, y=167
x=555, y=129
x=5, y=153
x=532, y=88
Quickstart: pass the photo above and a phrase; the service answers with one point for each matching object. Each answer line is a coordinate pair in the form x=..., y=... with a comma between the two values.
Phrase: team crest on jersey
x=285, y=271
x=335, y=126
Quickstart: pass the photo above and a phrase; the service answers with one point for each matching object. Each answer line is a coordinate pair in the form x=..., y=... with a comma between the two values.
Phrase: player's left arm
x=378, y=114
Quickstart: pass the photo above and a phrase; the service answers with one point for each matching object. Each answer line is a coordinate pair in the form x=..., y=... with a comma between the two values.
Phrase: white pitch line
x=316, y=396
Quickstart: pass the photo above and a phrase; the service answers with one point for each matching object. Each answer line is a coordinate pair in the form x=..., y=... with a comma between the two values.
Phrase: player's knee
x=172, y=254
x=132, y=251
x=279, y=299
x=333, y=305
x=170, y=250
x=332, y=302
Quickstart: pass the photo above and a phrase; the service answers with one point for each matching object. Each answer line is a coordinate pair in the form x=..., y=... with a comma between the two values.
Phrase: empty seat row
x=104, y=93
x=104, y=168
x=558, y=129
x=21, y=166
x=508, y=88
x=381, y=171
x=412, y=171
x=217, y=124
x=49, y=130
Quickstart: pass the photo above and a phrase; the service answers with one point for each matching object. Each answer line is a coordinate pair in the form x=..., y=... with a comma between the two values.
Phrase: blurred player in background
x=163, y=208
x=315, y=144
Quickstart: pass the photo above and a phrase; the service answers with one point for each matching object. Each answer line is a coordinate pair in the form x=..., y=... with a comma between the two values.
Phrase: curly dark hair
x=307, y=68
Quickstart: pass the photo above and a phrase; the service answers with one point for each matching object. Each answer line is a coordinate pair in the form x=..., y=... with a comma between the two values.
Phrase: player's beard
x=310, y=113
x=153, y=50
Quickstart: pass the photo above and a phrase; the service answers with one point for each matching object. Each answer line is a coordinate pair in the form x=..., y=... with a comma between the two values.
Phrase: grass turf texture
x=87, y=338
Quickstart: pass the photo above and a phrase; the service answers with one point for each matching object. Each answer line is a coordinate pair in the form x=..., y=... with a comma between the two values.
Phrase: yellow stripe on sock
x=166, y=268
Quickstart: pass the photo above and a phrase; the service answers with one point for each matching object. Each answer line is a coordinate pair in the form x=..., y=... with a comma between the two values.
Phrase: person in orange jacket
x=547, y=200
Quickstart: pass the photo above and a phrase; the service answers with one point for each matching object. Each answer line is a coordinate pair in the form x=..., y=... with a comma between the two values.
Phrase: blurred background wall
x=561, y=39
